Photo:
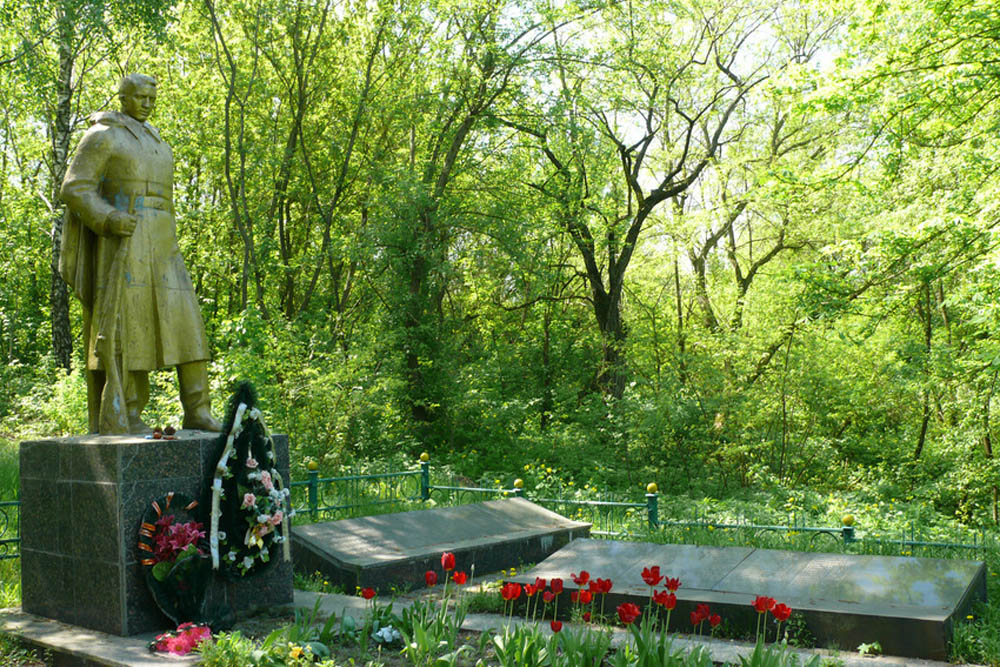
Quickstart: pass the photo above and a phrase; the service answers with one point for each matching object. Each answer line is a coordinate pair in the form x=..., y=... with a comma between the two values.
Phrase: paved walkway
x=91, y=648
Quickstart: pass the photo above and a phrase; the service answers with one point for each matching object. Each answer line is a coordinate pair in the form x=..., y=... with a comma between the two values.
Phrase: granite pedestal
x=82, y=499
x=395, y=550
x=908, y=605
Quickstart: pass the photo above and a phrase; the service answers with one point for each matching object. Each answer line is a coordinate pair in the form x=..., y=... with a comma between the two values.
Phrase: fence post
x=313, y=490
x=652, y=506
x=425, y=476
x=847, y=531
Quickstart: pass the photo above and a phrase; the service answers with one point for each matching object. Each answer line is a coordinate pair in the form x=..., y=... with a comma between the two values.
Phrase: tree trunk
x=62, y=338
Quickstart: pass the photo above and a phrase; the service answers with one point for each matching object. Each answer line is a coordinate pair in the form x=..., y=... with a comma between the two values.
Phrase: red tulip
x=628, y=612
x=556, y=626
x=601, y=586
x=548, y=596
x=557, y=586
x=586, y=597
x=539, y=583
x=762, y=604
x=703, y=610
x=651, y=575
x=586, y=617
x=447, y=561
x=714, y=620
x=665, y=599
x=696, y=618
x=511, y=590
x=574, y=596
x=672, y=584
x=430, y=577
x=368, y=593
x=781, y=612
x=580, y=579
x=529, y=590
x=460, y=578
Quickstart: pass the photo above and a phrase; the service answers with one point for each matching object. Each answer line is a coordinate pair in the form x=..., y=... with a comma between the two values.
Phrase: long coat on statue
x=122, y=163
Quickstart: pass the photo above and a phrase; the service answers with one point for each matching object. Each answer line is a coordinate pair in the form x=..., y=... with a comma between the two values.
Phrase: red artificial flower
x=665, y=599
x=651, y=575
x=628, y=612
x=763, y=604
x=586, y=597
x=672, y=584
x=557, y=586
x=548, y=596
x=556, y=626
x=586, y=617
x=511, y=590
x=430, y=576
x=529, y=590
x=781, y=612
x=447, y=561
x=714, y=620
x=460, y=578
x=580, y=579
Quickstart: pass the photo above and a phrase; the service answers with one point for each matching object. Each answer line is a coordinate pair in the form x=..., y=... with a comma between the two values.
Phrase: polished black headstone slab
x=82, y=500
x=395, y=550
x=907, y=604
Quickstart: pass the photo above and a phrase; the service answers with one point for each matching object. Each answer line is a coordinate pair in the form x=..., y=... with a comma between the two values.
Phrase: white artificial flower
x=263, y=518
x=255, y=475
x=254, y=413
x=278, y=539
x=247, y=562
x=222, y=536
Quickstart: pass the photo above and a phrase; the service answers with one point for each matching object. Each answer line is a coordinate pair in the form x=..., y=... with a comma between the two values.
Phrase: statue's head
x=137, y=94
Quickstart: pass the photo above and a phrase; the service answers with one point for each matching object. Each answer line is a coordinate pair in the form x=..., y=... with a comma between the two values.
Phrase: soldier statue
x=120, y=257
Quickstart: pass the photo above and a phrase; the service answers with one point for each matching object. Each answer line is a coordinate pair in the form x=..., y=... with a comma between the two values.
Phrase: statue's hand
x=121, y=223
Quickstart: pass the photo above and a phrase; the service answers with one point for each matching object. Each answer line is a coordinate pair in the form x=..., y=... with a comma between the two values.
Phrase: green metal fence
x=10, y=529
x=324, y=498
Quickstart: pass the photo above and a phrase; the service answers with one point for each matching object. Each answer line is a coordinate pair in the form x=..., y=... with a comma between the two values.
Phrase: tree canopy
x=749, y=240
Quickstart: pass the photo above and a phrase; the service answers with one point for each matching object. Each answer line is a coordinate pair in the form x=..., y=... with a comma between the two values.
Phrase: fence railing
x=355, y=495
x=10, y=529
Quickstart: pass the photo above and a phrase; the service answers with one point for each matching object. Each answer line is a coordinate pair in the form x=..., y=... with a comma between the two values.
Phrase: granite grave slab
x=397, y=549
x=82, y=500
x=907, y=604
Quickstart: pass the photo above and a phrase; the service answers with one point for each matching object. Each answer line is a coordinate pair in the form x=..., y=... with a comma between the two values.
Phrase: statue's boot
x=136, y=397
x=193, y=379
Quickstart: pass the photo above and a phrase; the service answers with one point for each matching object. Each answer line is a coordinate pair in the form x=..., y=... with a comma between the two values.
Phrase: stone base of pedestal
x=82, y=499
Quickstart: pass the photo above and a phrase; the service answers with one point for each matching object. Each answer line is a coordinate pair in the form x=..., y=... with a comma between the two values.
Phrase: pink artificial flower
x=265, y=479
x=249, y=500
x=276, y=518
x=251, y=462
